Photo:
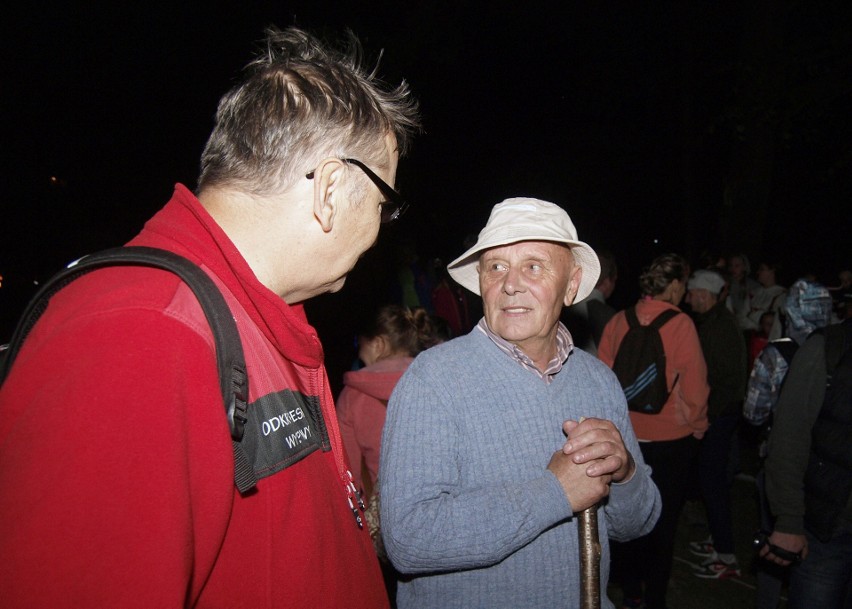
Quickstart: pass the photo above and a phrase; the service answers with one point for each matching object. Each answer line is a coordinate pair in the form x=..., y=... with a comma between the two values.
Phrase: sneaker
x=703, y=548
x=714, y=568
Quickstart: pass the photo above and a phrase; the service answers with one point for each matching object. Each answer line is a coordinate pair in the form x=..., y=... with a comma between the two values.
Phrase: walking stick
x=590, y=559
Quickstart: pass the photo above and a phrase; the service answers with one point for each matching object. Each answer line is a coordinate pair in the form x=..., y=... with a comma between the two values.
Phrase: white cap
x=711, y=281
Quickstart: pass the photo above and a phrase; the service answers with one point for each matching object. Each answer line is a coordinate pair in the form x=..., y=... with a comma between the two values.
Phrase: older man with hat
x=496, y=440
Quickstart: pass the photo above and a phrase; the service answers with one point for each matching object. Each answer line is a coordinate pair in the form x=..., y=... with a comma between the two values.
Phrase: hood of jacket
x=379, y=379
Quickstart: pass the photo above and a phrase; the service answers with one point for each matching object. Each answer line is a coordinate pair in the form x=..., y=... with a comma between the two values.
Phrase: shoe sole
x=700, y=570
x=726, y=575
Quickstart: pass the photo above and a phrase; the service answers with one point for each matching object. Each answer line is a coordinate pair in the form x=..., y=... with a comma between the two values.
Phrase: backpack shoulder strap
x=233, y=377
x=632, y=320
x=663, y=317
x=658, y=322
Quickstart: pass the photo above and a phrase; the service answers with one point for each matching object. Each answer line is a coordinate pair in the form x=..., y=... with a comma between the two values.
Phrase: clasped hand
x=593, y=456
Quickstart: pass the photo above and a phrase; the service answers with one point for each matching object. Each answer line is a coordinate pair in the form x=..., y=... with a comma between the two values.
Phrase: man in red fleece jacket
x=115, y=456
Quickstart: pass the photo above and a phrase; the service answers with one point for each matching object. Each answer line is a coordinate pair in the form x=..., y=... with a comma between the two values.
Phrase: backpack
x=233, y=377
x=640, y=363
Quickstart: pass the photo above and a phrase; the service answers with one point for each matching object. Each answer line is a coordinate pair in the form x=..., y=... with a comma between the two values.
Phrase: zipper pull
x=356, y=492
x=355, y=513
x=360, y=500
x=351, y=491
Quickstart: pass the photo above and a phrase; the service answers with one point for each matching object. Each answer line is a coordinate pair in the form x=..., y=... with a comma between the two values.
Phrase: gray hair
x=301, y=100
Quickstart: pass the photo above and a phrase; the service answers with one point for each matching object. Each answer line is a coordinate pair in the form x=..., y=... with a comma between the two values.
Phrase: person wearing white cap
x=480, y=489
x=724, y=349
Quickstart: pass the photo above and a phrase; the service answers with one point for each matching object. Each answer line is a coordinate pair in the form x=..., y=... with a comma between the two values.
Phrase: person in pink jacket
x=397, y=335
x=668, y=439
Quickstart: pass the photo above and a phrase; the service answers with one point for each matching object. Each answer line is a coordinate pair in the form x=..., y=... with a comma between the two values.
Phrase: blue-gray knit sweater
x=468, y=508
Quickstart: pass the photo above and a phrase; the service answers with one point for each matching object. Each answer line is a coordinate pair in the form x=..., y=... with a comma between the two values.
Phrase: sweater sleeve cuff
x=790, y=524
x=554, y=498
x=633, y=489
x=631, y=475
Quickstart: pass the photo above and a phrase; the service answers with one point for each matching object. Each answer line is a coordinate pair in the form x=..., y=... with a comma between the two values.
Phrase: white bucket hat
x=523, y=219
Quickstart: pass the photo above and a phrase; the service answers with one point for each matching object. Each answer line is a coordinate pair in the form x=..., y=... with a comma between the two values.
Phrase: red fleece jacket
x=116, y=464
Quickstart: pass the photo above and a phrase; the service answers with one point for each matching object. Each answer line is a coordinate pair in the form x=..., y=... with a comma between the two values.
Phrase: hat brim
x=463, y=269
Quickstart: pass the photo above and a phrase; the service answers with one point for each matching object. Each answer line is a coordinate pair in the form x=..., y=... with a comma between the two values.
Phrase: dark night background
x=667, y=126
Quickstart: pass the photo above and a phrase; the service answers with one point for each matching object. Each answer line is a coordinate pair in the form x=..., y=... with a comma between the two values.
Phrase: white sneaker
x=702, y=548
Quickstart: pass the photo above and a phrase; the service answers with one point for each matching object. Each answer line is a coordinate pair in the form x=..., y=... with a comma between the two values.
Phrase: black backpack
x=640, y=363
x=233, y=377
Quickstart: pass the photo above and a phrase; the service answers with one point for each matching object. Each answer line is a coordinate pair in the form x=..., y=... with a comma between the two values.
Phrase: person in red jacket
x=116, y=460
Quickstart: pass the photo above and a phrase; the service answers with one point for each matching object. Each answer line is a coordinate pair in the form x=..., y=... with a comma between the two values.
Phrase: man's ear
x=573, y=285
x=328, y=191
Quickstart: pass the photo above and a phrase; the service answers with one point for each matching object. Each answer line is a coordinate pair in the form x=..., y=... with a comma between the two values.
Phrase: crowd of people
x=732, y=315
x=726, y=359
x=486, y=418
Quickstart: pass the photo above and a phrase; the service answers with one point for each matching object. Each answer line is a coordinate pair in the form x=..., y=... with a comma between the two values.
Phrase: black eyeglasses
x=394, y=206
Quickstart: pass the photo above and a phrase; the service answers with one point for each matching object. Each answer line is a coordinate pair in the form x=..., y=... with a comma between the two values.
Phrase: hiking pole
x=590, y=559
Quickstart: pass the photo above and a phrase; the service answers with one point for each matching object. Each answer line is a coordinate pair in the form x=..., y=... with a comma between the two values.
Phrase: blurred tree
x=793, y=80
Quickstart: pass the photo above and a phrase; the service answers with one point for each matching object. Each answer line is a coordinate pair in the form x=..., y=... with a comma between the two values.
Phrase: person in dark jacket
x=724, y=351
x=809, y=471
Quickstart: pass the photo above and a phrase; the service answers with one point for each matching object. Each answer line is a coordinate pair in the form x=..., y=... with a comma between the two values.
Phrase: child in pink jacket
x=397, y=335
